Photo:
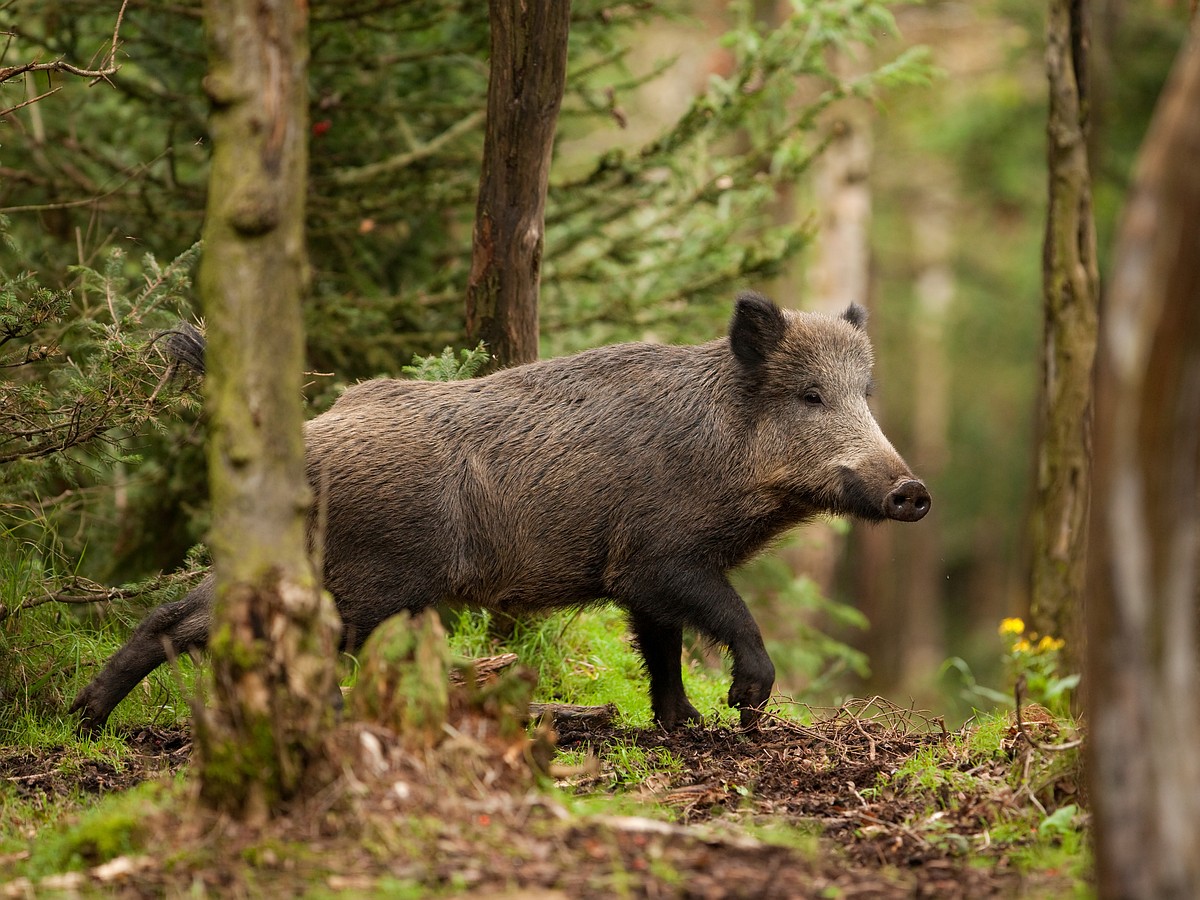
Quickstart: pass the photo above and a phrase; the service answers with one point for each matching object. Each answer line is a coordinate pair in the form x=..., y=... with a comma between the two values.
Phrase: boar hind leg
x=707, y=601
x=180, y=626
x=661, y=646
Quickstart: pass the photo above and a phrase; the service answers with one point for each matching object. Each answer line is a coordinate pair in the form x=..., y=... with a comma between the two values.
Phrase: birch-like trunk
x=1144, y=575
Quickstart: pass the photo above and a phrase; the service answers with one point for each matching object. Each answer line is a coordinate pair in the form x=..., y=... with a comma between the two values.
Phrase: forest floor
x=831, y=809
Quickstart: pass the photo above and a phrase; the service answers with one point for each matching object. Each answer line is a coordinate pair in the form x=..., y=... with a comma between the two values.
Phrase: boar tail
x=183, y=346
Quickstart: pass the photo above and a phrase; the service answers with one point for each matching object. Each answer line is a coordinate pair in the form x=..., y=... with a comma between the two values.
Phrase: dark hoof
x=750, y=717
x=749, y=696
x=678, y=716
x=91, y=721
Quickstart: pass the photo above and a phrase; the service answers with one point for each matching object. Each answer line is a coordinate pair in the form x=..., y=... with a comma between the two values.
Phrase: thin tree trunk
x=272, y=636
x=528, y=75
x=840, y=272
x=837, y=274
x=1071, y=288
x=919, y=601
x=1144, y=577
x=899, y=572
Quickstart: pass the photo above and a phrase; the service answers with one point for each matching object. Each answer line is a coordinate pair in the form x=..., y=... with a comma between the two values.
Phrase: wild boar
x=636, y=473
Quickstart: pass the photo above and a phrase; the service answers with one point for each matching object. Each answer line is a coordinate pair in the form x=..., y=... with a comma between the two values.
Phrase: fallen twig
x=1018, y=691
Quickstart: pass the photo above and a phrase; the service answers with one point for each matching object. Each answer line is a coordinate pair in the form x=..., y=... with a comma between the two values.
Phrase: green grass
x=627, y=765
x=581, y=657
x=1024, y=799
x=804, y=838
x=49, y=651
x=116, y=827
x=586, y=657
x=22, y=818
x=932, y=772
x=51, y=655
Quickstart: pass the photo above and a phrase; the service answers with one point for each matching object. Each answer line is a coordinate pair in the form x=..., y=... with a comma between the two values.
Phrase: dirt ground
x=467, y=819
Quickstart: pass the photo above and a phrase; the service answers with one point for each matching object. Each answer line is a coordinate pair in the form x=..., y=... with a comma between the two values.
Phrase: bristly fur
x=184, y=345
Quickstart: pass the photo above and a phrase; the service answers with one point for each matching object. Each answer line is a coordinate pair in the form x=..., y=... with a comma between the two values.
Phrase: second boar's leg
x=707, y=601
x=661, y=645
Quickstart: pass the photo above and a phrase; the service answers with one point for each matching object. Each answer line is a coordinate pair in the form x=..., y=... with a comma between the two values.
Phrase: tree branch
x=108, y=66
x=363, y=174
x=83, y=590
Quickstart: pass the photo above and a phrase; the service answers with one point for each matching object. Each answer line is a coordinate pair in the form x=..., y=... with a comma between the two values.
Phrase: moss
x=242, y=773
x=804, y=838
x=118, y=827
x=403, y=681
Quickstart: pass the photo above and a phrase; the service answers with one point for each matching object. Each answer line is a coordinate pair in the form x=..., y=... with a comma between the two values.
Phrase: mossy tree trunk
x=528, y=75
x=1144, y=577
x=1071, y=297
x=272, y=640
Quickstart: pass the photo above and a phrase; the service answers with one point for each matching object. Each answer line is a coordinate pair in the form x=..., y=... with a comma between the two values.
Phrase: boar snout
x=908, y=501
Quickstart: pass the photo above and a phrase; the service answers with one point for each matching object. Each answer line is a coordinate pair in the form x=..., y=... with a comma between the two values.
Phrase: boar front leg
x=707, y=601
x=661, y=645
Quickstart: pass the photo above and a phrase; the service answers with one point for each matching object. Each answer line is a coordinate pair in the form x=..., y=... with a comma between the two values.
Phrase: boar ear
x=757, y=327
x=855, y=315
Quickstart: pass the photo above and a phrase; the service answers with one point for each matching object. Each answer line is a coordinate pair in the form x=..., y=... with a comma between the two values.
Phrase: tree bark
x=528, y=75
x=1144, y=576
x=919, y=611
x=1071, y=297
x=272, y=637
x=899, y=573
x=838, y=274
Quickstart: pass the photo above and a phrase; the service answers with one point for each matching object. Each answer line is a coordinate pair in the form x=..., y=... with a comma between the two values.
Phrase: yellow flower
x=1012, y=626
x=1022, y=646
x=1047, y=644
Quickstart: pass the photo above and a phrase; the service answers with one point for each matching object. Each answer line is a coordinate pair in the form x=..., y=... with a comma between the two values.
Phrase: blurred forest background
x=822, y=152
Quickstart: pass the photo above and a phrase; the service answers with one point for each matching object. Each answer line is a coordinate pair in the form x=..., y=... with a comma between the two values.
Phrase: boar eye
x=812, y=397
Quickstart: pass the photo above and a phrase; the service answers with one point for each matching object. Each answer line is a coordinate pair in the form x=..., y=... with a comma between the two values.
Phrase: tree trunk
x=919, y=611
x=1071, y=289
x=528, y=74
x=899, y=575
x=272, y=636
x=1144, y=576
x=838, y=274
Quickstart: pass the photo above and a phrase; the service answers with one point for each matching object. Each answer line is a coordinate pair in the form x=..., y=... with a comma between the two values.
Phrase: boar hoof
x=91, y=716
x=749, y=695
x=677, y=716
x=750, y=717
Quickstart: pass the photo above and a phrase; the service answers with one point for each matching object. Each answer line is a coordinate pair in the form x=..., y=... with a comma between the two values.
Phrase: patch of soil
x=153, y=751
x=824, y=776
x=468, y=818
